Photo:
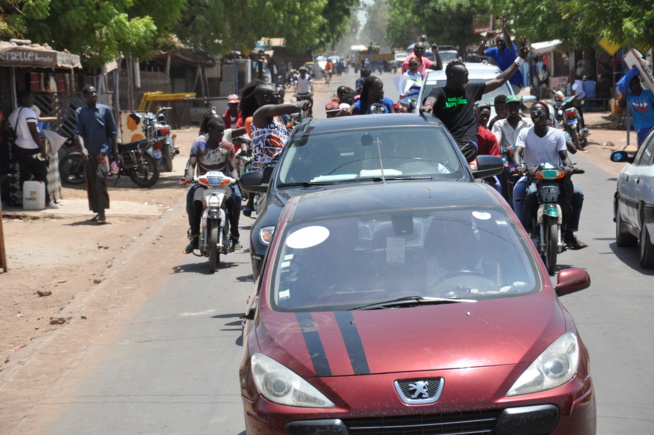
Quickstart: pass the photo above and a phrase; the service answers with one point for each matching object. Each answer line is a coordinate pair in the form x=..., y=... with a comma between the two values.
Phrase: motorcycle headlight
x=213, y=201
x=283, y=386
x=554, y=367
x=266, y=234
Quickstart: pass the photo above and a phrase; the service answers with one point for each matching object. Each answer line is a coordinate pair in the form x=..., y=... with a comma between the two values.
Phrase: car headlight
x=266, y=234
x=554, y=367
x=281, y=385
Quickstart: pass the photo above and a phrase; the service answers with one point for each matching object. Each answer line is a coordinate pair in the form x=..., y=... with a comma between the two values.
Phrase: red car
x=413, y=308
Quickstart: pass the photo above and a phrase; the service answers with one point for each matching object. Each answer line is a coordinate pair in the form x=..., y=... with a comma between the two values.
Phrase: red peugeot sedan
x=413, y=308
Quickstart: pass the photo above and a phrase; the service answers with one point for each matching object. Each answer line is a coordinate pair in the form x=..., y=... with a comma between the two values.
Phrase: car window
x=645, y=154
x=488, y=98
x=362, y=154
x=347, y=261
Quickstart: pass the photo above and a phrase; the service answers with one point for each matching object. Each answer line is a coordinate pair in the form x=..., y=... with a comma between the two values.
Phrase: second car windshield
x=364, y=154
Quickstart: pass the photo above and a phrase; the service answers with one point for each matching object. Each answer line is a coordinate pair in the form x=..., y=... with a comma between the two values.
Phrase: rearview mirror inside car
x=366, y=139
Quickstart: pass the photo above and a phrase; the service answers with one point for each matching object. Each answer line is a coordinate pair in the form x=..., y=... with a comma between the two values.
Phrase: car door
x=637, y=182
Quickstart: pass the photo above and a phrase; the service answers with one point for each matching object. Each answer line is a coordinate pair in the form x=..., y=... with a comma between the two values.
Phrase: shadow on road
x=630, y=257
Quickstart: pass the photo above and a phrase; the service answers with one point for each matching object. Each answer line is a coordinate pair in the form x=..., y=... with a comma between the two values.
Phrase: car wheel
x=646, y=248
x=622, y=237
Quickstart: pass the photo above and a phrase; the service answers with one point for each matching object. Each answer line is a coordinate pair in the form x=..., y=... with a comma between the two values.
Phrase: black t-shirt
x=456, y=110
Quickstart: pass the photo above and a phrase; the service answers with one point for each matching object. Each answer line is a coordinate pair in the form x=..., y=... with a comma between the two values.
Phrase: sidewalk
x=80, y=208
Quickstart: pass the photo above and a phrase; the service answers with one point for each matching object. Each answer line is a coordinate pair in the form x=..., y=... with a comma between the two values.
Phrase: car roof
x=367, y=121
x=384, y=197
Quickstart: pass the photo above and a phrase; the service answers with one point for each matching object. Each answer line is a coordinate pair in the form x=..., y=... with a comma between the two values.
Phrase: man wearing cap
x=418, y=53
x=304, y=87
x=232, y=115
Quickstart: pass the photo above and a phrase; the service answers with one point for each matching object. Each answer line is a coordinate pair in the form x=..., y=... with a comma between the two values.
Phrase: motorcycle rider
x=304, y=85
x=544, y=144
x=212, y=153
x=453, y=103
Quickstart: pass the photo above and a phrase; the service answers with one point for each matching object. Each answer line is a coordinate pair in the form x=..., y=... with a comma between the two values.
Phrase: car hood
x=434, y=337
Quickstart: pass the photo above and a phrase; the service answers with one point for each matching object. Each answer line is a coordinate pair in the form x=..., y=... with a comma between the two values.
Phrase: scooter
x=567, y=114
x=549, y=217
x=214, y=190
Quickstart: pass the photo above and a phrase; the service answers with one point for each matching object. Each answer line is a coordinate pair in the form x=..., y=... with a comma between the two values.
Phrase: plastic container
x=33, y=195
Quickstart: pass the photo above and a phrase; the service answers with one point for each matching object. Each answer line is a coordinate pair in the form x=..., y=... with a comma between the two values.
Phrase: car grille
x=478, y=423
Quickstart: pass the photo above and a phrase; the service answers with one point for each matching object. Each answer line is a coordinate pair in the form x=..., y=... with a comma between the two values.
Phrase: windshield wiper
x=410, y=301
x=309, y=184
x=409, y=177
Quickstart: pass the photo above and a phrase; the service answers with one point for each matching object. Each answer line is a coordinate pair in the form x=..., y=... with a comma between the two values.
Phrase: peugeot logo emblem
x=419, y=391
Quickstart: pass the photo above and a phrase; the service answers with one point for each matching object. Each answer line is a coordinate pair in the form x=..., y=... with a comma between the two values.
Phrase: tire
x=575, y=137
x=71, y=168
x=551, y=245
x=167, y=155
x=147, y=174
x=623, y=238
x=214, y=255
x=646, y=248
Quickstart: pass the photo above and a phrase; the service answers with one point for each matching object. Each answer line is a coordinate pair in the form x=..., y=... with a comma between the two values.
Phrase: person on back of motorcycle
x=453, y=103
x=212, y=153
x=507, y=130
x=304, y=85
x=544, y=144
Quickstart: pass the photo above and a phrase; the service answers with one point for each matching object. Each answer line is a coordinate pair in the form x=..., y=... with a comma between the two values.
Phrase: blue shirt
x=96, y=126
x=504, y=59
x=642, y=106
x=386, y=102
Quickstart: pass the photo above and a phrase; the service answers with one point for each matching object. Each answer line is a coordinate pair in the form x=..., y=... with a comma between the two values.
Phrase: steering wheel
x=417, y=165
x=462, y=281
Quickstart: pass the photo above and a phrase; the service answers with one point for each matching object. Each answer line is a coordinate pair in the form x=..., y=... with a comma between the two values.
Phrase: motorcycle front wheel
x=551, y=248
x=147, y=173
x=71, y=168
x=214, y=255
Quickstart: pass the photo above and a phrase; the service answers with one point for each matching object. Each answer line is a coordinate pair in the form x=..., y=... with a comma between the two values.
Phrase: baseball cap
x=303, y=68
x=332, y=106
x=513, y=99
x=233, y=98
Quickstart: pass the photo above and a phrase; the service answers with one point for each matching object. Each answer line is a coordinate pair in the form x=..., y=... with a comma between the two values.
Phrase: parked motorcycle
x=138, y=163
x=214, y=190
x=549, y=218
x=568, y=115
x=158, y=129
x=71, y=164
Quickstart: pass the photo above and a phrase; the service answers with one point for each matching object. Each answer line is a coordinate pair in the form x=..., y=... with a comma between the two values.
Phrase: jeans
x=525, y=204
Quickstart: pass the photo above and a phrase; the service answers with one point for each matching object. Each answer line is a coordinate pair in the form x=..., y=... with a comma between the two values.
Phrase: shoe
x=101, y=218
x=573, y=242
x=235, y=246
x=247, y=211
x=193, y=245
x=53, y=205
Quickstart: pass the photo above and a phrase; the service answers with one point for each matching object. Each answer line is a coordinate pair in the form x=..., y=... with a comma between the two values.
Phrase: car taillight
x=158, y=145
x=164, y=131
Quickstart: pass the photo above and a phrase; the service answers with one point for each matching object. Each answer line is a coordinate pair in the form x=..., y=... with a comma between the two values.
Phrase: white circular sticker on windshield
x=307, y=237
x=481, y=215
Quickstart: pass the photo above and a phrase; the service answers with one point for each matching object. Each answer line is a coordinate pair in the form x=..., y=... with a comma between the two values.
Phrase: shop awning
x=26, y=55
x=544, y=47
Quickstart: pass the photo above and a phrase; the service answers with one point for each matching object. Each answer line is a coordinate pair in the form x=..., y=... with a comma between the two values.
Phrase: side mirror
x=622, y=157
x=571, y=280
x=488, y=166
x=253, y=182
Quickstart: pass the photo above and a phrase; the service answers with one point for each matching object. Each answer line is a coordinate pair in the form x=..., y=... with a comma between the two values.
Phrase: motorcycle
x=510, y=176
x=158, y=129
x=303, y=97
x=549, y=217
x=214, y=188
x=138, y=163
x=568, y=115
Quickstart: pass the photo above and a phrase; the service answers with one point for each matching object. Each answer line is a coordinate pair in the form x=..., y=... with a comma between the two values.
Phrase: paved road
x=174, y=367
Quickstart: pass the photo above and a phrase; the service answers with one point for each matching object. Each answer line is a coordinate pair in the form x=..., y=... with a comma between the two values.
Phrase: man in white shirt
x=30, y=148
x=304, y=87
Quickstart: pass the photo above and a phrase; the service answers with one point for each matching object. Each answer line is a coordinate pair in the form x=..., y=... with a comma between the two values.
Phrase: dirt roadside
x=69, y=278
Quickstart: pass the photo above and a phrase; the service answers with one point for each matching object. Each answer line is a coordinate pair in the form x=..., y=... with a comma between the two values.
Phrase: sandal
x=247, y=211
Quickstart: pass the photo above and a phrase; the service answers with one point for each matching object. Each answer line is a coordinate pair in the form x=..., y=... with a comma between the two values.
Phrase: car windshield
x=448, y=56
x=488, y=98
x=401, y=258
x=366, y=154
